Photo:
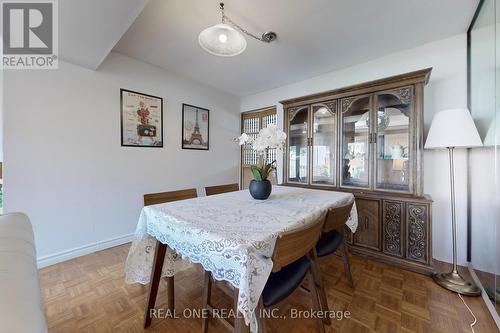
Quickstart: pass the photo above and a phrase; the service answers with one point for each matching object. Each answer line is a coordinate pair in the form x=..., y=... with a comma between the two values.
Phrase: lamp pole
x=453, y=214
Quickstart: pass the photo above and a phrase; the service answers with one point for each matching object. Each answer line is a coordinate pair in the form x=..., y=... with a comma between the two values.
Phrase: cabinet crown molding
x=420, y=76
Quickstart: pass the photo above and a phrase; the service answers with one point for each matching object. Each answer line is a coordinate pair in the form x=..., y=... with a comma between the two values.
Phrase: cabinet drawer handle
x=366, y=222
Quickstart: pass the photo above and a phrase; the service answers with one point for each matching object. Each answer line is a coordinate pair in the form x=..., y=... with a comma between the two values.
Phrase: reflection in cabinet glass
x=393, y=143
x=355, y=141
x=324, y=124
x=298, y=145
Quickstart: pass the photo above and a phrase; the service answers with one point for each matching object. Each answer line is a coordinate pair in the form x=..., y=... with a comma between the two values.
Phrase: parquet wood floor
x=89, y=294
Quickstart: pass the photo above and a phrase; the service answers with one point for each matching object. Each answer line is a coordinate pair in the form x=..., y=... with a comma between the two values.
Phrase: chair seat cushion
x=328, y=243
x=282, y=283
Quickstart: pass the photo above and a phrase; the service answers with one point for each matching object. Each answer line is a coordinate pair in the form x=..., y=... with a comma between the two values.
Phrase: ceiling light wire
x=266, y=37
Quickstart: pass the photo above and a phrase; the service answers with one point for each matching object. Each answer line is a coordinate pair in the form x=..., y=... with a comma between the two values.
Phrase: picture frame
x=141, y=119
x=195, y=127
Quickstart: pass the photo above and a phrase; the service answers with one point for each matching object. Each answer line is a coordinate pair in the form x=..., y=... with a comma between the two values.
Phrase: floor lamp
x=453, y=129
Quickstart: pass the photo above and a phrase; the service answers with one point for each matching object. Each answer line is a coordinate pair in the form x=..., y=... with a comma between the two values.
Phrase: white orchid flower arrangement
x=270, y=137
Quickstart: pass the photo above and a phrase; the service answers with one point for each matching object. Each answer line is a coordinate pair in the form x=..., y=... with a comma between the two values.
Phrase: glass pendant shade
x=222, y=40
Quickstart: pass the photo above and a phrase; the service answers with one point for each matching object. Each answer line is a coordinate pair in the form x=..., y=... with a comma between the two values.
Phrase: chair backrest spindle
x=219, y=189
x=337, y=217
x=295, y=244
x=163, y=197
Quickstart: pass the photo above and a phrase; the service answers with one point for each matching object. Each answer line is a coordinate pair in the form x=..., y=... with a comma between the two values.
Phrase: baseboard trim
x=55, y=258
x=486, y=299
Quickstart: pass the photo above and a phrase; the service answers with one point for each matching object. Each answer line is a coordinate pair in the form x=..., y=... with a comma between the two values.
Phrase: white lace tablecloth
x=231, y=235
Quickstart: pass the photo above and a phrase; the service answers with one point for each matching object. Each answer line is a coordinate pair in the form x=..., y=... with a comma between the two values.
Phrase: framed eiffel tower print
x=195, y=127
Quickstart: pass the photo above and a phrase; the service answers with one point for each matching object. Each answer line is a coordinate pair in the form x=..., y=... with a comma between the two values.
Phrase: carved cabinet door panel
x=392, y=225
x=417, y=232
x=368, y=233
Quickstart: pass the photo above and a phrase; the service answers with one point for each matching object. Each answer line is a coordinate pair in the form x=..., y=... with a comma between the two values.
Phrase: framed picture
x=141, y=119
x=195, y=127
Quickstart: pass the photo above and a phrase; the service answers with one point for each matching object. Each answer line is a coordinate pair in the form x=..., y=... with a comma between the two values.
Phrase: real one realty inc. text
x=273, y=313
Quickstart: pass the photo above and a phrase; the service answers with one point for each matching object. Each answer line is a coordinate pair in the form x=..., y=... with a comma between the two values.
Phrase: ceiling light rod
x=266, y=37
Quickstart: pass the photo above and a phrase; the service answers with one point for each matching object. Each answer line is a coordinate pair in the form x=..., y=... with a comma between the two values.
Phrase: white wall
x=64, y=164
x=447, y=88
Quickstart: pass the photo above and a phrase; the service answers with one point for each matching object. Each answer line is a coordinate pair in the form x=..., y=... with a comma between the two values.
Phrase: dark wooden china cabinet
x=367, y=139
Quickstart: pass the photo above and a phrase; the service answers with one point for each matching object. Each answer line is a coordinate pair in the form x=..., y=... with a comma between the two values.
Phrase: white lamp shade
x=453, y=128
x=222, y=40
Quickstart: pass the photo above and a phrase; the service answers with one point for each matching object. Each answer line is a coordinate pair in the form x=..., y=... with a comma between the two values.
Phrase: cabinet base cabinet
x=392, y=261
x=368, y=233
x=396, y=231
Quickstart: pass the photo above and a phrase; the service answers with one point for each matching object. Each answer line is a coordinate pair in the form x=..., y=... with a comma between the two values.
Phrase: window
x=251, y=123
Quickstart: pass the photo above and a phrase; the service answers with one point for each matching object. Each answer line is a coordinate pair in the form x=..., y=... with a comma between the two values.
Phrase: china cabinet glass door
x=324, y=133
x=393, y=144
x=356, y=142
x=298, y=148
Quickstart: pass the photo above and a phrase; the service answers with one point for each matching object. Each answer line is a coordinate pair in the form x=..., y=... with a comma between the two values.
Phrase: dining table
x=231, y=235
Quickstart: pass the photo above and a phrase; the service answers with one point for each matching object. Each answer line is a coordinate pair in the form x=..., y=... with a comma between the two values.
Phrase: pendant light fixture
x=225, y=39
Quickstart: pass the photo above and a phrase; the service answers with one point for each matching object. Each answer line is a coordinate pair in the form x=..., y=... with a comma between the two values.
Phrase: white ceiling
x=314, y=36
x=89, y=29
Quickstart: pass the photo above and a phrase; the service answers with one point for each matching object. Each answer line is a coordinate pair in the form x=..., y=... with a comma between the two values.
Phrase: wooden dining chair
x=154, y=199
x=163, y=197
x=219, y=189
x=292, y=259
x=332, y=238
